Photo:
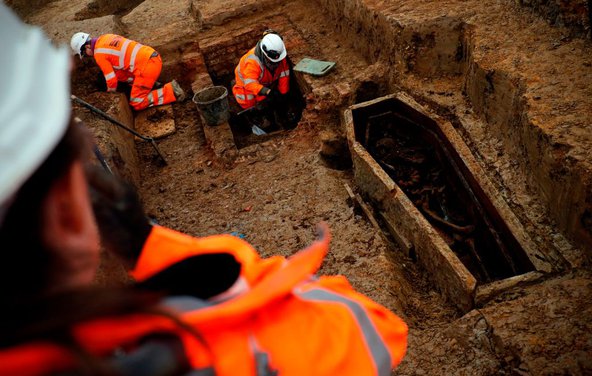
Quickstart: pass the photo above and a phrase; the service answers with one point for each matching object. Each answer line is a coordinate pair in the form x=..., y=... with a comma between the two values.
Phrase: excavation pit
x=435, y=199
x=221, y=55
x=277, y=122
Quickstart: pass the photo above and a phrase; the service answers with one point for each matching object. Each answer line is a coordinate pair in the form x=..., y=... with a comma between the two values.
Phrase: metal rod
x=245, y=110
x=102, y=159
x=119, y=124
x=96, y=150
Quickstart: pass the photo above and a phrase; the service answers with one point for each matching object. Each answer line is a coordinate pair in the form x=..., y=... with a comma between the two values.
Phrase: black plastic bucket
x=212, y=103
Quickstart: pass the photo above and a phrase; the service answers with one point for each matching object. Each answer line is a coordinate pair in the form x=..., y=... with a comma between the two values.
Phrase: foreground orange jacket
x=288, y=321
x=125, y=60
x=251, y=75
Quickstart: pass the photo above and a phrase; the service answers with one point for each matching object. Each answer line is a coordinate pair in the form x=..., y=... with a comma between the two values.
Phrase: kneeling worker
x=263, y=74
x=125, y=60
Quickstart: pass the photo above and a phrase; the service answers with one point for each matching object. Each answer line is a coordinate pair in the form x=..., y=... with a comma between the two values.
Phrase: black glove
x=265, y=91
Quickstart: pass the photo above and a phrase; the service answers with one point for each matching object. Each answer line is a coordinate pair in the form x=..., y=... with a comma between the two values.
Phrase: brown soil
x=518, y=90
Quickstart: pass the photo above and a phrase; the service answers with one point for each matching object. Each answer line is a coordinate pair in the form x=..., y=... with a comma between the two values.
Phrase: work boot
x=178, y=91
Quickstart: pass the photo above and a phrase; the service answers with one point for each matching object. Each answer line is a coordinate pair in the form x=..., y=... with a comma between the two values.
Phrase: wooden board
x=314, y=67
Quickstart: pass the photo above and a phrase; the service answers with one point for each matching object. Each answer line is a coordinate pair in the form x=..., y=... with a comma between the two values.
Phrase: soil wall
x=24, y=8
x=576, y=15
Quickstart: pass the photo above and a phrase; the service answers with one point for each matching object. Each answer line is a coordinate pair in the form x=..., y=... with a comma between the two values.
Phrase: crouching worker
x=271, y=315
x=125, y=60
x=262, y=81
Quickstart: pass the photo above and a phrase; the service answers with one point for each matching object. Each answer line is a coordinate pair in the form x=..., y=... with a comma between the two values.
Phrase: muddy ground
x=517, y=89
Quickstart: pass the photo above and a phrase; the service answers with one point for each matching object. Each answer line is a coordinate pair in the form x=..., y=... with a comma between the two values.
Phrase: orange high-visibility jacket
x=165, y=247
x=120, y=58
x=288, y=321
x=251, y=75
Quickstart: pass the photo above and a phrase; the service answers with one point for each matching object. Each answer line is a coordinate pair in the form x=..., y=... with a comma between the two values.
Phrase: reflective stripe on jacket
x=289, y=323
x=251, y=75
x=119, y=58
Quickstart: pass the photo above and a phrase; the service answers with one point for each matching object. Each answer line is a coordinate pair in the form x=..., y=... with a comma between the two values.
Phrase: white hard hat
x=273, y=47
x=78, y=40
x=34, y=101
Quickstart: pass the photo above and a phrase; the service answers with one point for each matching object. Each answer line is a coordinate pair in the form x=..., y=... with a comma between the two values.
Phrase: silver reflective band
x=285, y=73
x=376, y=346
x=242, y=97
x=110, y=76
x=130, y=80
x=107, y=51
x=183, y=303
x=137, y=100
x=160, y=94
x=249, y=80
x=262, y=363
x=122, y=54
x=133, y=57
x=119, y=54
x=254, y=57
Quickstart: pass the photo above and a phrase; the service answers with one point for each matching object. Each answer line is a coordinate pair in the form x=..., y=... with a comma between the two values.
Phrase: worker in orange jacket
x=243, y=304
x=276, y=319
x=262, y=76
x=125, y=60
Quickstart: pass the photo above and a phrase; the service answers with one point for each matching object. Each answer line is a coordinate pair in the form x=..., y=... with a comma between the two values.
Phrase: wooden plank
x=349, y=191
x=488, y=292
x=367, y=212
x=401, y=240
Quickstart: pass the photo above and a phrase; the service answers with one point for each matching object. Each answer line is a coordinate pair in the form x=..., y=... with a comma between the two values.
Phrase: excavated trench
x=475, y=244
x=421, y=177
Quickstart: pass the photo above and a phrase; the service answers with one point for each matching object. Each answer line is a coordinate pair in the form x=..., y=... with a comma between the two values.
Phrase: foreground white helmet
x=78, y=40
x=34, y=101
x=273, y=47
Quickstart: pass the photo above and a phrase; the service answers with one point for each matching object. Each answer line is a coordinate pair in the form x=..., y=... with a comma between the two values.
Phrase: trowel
x=258, y=131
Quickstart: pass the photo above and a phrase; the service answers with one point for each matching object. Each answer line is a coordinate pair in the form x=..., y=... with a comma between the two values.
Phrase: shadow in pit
x=278, y=122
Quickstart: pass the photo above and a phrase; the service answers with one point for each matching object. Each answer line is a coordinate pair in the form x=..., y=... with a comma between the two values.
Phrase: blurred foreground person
x=207, y=306
x=276, y=307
